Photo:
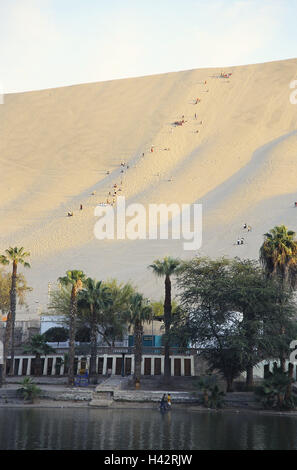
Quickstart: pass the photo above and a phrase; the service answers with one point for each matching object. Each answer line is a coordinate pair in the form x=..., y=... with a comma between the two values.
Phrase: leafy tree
x=158, y=309
x=112, y=325
x=230, y=310
x=38, y=346
x=254, y=297
x=166, y=268
x=278, y=255
x=115, y=324
x=75, y=279
x=22, y=289
x=139, y=311
x=15, y=256
x=92, y=301
x=83, y=332
x=60, y=302
x=56, y=334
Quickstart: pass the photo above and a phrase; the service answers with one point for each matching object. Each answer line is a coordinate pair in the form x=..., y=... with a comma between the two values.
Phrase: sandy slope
x=57, y=145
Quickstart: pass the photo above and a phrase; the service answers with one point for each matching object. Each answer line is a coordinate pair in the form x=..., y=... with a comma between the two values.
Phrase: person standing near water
x=163, y=403
x=169, y=401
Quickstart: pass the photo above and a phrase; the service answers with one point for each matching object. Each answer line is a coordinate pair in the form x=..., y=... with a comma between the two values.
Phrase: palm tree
x=278, y=256
x=166, y=268
x=92, y=301
x=37, y=345
x=14, y=256
x=139, y=311
x=75, y=279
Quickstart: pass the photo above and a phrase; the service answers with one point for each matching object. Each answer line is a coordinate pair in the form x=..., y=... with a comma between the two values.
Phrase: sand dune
x=57, y=145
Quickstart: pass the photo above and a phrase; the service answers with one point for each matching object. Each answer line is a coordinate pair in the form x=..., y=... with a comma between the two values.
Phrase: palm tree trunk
x=167, y=323
x=229, y=380
x=13, y=312
x=72, y=329
x=37, y=368
x=93, y=357
x=138, y=331
x=7, y=337
x=249, y=376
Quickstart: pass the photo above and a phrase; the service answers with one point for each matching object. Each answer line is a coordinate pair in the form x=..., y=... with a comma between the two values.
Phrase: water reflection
x=143, y=429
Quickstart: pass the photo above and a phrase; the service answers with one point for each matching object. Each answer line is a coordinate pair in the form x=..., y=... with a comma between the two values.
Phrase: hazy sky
x=50, y=43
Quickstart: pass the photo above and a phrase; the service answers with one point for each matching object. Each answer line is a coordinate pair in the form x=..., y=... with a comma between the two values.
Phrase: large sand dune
x=57, y=145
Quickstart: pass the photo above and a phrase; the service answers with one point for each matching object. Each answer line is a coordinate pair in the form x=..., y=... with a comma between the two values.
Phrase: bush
x=56, y=335
x=29, y=390
x=275, y=392
x=213, y=397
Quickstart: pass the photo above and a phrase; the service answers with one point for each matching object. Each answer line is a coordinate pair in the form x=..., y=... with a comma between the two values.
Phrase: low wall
x=55, y=395
x=154, y=396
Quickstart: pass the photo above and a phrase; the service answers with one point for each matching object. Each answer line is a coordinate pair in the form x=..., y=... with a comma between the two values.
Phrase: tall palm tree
x=75, y=279
x=139, y=311
x=92, y=301
x=278, y=256
x=166, y=268
x=14, y=256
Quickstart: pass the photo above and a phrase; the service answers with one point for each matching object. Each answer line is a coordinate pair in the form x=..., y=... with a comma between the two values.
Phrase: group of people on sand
x=165, y=403
x=225, y=75
x=109, y=201
x=116, y=188
x=111, y=197
x=240, y=241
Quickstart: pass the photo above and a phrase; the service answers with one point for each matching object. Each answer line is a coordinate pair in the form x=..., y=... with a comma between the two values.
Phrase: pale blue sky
x=50, y=43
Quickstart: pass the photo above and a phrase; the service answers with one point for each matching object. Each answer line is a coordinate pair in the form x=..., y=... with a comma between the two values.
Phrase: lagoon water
x=84, y=428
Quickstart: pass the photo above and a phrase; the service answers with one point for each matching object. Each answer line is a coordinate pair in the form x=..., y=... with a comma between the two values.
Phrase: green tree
x=167, y=267
x=207, y=316
x=56, y=334
x=254, y=296
x=14, y=256
x=230, y=309
x=158, y=309
x=22, y=289
x=60, y=302
x=139, y=311
x=115, y=321
x=38, y=346
x=75, y=279
x=92, y=301
x=278, y=256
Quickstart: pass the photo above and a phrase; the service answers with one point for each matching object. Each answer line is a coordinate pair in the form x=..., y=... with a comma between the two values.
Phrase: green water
x=143, y=429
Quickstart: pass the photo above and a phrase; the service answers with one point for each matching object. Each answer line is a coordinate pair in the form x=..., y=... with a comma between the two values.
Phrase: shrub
x=275, y=392
x=213, y=397
x=29, y=389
